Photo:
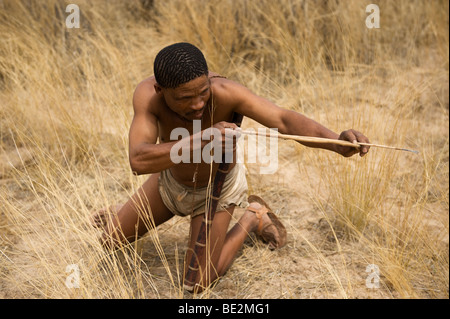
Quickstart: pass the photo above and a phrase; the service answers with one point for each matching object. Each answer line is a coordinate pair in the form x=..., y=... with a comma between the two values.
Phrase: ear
x=158, y=88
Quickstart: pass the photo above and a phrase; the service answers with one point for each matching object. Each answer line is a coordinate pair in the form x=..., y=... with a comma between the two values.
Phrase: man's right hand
x=229, y=135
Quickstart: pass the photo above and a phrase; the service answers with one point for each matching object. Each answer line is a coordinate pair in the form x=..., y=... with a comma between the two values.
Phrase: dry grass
x=66, y=108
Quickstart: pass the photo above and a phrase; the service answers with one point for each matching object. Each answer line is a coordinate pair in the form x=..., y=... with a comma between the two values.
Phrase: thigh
x=214, y=247
x=143, y=211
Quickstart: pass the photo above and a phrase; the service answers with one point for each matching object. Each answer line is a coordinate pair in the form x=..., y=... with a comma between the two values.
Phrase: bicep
x=273, y=116
x=259, y=109
x=144, y=127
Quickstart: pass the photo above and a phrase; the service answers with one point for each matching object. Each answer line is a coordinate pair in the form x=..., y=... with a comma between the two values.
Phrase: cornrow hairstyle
x=179, y=63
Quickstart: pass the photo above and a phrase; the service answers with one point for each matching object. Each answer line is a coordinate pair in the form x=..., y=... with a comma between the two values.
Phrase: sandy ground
x=311, y=265
x=315, y=263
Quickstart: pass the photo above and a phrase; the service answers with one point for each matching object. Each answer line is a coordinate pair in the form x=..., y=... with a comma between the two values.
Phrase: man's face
x=189, y=100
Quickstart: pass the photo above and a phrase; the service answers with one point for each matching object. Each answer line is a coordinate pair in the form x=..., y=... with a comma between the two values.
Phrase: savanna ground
x=65, y=110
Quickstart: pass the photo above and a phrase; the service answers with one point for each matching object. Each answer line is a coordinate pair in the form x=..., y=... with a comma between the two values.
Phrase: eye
x=184, y=98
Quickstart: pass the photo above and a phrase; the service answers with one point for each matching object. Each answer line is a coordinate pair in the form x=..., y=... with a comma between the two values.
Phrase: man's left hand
x=353, y=136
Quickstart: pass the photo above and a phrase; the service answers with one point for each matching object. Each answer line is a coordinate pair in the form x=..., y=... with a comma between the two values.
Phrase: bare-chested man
x=183, y=90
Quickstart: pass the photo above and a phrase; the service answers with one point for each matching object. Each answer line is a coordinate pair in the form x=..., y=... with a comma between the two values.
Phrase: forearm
x=153, y=158
x=297, y=124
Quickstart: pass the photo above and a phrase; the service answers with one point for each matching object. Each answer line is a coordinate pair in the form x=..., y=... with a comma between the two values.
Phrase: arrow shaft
x=311, y=139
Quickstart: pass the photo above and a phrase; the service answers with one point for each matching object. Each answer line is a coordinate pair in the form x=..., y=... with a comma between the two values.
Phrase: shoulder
x=229, y=91
x=144, y=97
x=221, y=85
x=145, y=89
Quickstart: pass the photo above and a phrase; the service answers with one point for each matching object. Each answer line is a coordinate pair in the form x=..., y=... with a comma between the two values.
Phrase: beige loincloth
x=181, y=200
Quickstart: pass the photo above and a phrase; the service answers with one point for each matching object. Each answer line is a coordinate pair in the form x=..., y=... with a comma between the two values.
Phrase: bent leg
x=223, y=246
x=208, y=263
x=143, y=211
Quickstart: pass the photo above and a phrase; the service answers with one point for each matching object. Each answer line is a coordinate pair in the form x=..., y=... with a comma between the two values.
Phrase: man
x=181, y=91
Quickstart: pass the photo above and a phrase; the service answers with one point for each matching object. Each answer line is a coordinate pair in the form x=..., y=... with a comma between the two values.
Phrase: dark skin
x=158, y=111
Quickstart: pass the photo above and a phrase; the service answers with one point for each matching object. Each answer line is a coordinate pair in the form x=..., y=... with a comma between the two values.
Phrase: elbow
x=147, y=162
x=136, y=167
x=286, y=118
x=139, y=159
x=141, y=167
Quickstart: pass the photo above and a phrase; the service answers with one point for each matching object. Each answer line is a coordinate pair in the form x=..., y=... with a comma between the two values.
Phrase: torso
x=169, y=120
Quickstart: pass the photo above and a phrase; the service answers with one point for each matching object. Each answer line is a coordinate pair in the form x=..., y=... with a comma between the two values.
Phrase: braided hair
x=179, y=63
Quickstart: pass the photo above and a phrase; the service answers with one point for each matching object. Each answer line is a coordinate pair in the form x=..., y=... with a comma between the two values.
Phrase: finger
x=364, y=149
x=238, y=131
x=229, y=125
x=233, y=132
x=350, y=136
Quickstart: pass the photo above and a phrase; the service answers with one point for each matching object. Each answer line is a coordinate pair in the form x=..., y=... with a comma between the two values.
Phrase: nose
x=197, y=104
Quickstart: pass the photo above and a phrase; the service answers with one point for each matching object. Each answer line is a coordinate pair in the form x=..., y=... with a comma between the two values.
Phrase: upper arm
x=144, y=127
x=258, y=108
x=272, y=116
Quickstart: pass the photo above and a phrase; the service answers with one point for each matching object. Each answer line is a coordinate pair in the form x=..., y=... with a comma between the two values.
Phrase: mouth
x=197, y=114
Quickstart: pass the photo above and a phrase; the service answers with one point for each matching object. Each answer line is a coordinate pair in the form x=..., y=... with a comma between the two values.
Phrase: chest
x=171, y=125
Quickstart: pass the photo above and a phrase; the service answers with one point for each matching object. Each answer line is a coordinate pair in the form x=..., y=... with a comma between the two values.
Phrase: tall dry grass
x=66, y=108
